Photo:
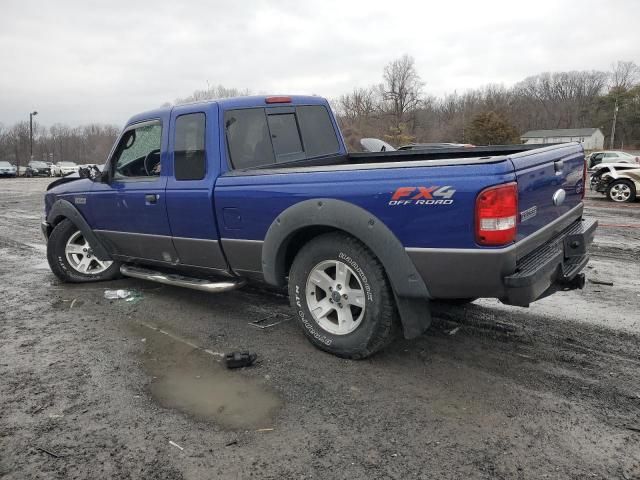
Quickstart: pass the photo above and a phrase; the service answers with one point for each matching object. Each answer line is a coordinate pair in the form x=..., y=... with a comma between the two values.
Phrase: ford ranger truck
x=211, y=195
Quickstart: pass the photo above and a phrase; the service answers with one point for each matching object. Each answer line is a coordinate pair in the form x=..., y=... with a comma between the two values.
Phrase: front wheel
x=622, y=191
x=71, y=258
x=341, y=296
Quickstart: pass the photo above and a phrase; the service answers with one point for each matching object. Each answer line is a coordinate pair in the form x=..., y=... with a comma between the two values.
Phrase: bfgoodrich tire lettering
x=57, y=255
x=375, y=327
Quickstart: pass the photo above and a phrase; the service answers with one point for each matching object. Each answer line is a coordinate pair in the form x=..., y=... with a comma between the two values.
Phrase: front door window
x=138, y=153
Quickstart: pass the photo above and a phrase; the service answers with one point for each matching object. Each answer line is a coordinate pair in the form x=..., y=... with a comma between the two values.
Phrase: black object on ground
x=48, y=452
x=240, y=359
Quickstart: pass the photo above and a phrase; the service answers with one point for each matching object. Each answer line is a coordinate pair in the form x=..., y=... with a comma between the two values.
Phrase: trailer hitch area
x=577, y=282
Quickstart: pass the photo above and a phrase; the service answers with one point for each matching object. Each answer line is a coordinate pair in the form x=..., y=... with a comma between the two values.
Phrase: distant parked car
x=7, y=170
x=36, y=169
x=61, y=169
x=611, y=156
x=620, y=182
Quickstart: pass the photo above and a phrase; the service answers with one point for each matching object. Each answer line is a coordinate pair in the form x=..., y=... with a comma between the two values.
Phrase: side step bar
x=182, y=281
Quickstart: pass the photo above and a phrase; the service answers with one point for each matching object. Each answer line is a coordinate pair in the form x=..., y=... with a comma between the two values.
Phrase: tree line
x=85, y=144
x=399, y=110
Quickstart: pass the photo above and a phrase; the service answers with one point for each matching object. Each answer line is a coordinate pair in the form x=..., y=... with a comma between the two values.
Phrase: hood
x=66, y=179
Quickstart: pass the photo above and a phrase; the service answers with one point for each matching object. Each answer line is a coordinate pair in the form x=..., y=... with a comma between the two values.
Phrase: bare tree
x=624, y=75
x=402, y=89
x=213, y=93
x=360, y=103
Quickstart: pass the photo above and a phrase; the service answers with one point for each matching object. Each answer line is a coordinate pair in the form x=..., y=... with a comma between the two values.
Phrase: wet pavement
x=91, y=387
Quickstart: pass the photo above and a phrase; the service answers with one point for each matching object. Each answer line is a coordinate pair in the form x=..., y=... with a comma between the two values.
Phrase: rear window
x=285, y=137
x=318, y=134
x=248, y=138
x=265, y=136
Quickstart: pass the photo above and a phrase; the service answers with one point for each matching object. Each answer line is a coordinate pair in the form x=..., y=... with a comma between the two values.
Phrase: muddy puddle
x=198, y=384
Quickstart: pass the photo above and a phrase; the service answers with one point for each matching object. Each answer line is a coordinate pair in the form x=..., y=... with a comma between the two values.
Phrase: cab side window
x=189, y=160
x=138, y=153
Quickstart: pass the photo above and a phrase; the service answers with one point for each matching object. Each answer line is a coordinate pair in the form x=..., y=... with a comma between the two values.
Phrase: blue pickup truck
x=211, y=195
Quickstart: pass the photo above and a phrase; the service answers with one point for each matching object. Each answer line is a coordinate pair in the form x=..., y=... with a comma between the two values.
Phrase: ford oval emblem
x=558, y=197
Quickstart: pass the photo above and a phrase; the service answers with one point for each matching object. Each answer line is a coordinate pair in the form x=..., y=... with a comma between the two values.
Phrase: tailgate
x=550, y=183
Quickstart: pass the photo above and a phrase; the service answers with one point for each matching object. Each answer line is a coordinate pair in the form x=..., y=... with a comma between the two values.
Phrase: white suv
x=61, y=169
x=610, y=156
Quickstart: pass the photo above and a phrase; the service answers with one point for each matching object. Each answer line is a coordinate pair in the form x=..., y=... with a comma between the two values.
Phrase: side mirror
x=104, y=176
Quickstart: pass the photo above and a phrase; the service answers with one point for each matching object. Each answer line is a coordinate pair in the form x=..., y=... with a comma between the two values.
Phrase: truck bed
x=436, y=156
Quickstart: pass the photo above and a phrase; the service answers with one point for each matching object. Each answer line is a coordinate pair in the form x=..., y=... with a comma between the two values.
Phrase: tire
x=67, y=257
x=373, y=325
x=621, y=191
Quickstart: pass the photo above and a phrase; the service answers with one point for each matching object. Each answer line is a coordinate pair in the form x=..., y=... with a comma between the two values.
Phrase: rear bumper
x=556, y=265
x=518, y=274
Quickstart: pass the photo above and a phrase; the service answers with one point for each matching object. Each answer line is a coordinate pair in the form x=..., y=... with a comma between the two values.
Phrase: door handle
x=151, y=198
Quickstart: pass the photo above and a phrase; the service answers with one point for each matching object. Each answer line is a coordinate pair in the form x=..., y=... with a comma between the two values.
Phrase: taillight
x=497, y=214
x=584, y=180
x=277, y=100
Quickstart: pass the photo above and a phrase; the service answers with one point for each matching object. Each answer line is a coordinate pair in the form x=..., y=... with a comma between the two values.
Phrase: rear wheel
x=71, y=258
x=621, y=191
x=341, y=296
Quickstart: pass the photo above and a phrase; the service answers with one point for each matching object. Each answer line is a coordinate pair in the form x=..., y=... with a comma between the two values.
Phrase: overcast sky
x=96, y=61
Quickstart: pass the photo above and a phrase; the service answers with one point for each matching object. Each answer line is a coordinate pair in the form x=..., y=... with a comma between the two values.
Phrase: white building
x=591, y=138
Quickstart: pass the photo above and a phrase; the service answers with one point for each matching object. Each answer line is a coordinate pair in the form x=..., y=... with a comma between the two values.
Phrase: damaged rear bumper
x=556, y=265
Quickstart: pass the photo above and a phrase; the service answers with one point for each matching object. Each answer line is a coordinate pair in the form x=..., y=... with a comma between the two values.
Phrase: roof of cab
x=231, y=103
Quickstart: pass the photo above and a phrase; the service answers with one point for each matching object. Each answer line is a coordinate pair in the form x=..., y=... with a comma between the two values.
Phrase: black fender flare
x=410, y=291
x=62, y=209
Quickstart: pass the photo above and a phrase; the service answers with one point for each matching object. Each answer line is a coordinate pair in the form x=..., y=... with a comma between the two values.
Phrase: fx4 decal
x=434, y=195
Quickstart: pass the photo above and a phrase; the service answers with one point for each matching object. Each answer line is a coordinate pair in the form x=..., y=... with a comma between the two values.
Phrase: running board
x=181, y=281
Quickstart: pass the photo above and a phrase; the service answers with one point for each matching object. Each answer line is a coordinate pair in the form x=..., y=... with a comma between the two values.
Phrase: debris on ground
x=240, y=359
x=121, y=294
x=232, y=442
x=595, y=281
x=265, y=430
x=454, y=331
x=48, y=452
x=171, y=442
x=270, y=321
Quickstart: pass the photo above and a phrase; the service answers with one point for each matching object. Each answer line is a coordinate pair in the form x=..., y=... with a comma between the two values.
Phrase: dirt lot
x=95, y=388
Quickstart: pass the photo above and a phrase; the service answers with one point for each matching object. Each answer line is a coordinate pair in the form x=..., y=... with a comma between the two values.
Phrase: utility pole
x=613, y=125
x=31, y=115
x=464, y=107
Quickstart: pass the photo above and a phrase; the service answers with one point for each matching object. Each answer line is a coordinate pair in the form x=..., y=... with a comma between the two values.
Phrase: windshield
x=67, y=164
x=38, y=164
x=5, y=164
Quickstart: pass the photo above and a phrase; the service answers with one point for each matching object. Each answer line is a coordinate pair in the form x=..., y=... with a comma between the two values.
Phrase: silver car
x=7, y=170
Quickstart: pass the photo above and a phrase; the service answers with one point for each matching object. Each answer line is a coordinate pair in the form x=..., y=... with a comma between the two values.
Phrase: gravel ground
x=94, y=388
